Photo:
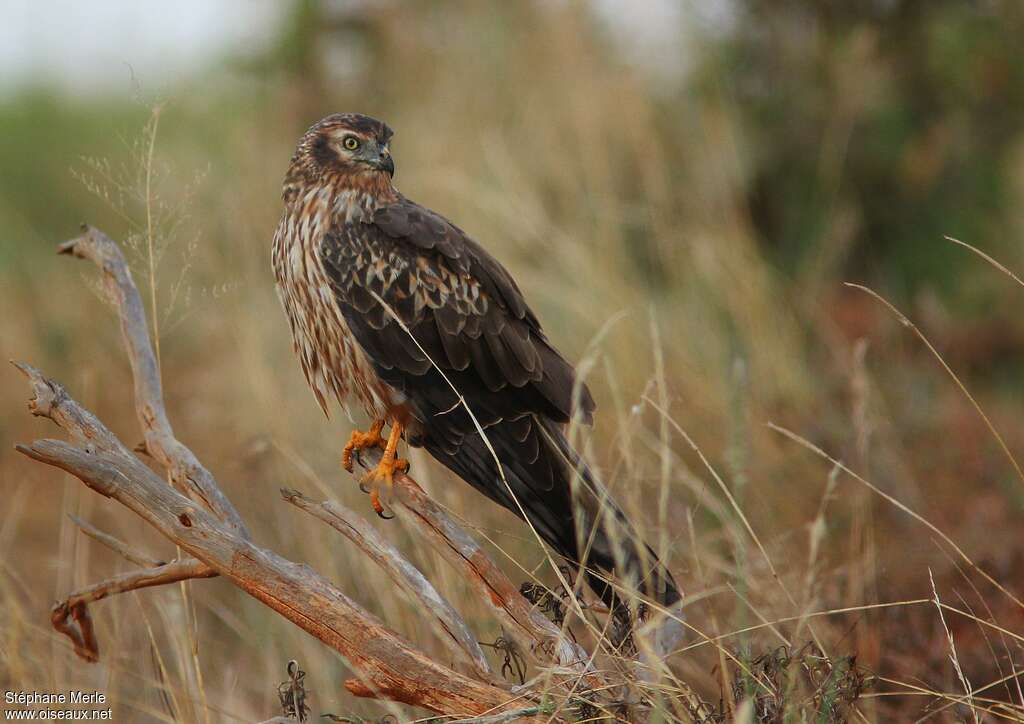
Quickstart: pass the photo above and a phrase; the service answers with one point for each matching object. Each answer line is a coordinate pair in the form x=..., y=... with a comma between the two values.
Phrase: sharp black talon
x=514, y=661
x=362, y=486
x=384, y=515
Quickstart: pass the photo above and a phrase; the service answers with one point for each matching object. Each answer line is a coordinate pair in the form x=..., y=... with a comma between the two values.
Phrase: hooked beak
x=384, y=162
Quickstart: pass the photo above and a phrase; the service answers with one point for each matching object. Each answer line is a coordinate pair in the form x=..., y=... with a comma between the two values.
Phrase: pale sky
x=88, y=45
x=85, y=46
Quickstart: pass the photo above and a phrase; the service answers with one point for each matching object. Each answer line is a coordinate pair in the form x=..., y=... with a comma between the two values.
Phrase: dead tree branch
x=193, y=513
x=459, y=639
x=71, y=617
x=197, y=516
x=115, y=544
x=187, y=473
x=388, y=667
x=523, y=621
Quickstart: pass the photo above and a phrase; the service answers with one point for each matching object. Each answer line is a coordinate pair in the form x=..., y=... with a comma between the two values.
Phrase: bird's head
x=348, y=148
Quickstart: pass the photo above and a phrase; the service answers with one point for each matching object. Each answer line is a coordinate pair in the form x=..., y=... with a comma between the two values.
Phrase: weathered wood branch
x=116, y=544
x=523, y=621
x=71, y=618
x=186, y=472
x=388, y=666
x=196, y=516
x=458, y=638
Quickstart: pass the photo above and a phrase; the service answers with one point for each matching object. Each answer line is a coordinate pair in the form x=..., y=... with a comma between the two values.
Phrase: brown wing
x=470, y=328
x=459, y=304
x=467, y=321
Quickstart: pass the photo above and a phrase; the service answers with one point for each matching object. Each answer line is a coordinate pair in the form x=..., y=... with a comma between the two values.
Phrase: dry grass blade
x=968, y=690
x=988, y=258
x=790, y=619
x=916, y=516
x=905, y=321
x=735, y=506
x=996, y=708
x=1014, y=712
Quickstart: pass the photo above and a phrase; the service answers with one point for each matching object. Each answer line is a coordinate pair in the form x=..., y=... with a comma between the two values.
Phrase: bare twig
x=187, y=473
x=196, y=516
x=458, y=638
x=116, y=545
x=180, y=570
x=389, y=667
x=523, y=621
x=81, y=633
x=74, y=606
x=905, y=321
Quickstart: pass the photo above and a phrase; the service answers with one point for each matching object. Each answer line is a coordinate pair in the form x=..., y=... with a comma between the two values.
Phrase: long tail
x=561, y=499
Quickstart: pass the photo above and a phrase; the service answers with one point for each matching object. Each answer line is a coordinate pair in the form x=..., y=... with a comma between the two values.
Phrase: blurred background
x=681, y=189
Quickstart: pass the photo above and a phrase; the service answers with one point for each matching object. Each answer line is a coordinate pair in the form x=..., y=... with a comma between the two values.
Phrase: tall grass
x=622, y=214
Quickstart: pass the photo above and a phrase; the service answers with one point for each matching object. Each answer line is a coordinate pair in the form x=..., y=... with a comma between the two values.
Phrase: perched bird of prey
x=397, y=311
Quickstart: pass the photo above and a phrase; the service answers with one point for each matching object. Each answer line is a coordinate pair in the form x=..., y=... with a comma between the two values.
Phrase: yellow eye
x=351, y=143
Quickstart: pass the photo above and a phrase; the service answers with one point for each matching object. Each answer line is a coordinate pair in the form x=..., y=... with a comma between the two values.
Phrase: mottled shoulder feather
x=421, y=227
x=407, y=221
x=460, y=309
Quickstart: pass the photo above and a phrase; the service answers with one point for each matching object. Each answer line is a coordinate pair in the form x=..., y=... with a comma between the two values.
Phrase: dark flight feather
x=464, y=311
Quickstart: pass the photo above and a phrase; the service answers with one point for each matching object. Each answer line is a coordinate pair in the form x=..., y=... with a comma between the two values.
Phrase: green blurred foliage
x=45, y=134
x=910, y=113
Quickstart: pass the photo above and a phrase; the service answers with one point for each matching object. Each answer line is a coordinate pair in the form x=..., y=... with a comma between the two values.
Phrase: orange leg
x=362, y=441
x=380, y=480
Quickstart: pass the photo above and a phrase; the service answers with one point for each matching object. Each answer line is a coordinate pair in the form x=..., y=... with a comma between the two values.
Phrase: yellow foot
x=360, y=440
x=380, y=481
